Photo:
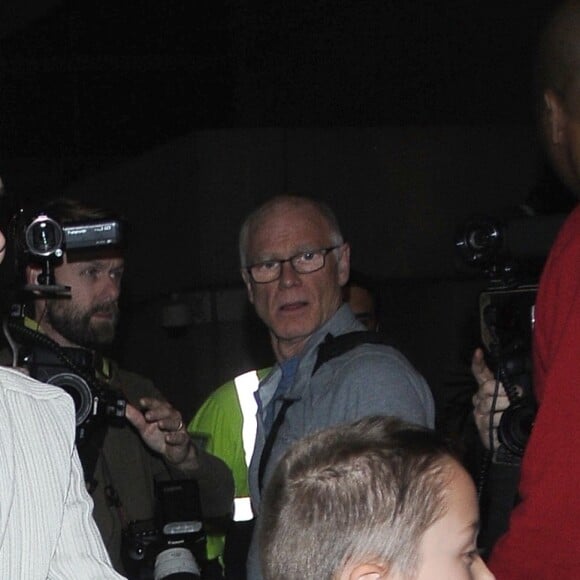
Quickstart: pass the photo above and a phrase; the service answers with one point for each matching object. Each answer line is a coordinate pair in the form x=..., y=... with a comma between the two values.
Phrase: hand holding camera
x=489, y=402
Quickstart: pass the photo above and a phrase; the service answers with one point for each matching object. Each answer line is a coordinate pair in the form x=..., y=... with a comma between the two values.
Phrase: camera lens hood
x=44, y=237
x=176, y=562
x=515, y=427
x=80, y=392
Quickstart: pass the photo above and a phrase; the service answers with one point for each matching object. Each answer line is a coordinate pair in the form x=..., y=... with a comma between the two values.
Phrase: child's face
x=448, y=547
x=447, y=550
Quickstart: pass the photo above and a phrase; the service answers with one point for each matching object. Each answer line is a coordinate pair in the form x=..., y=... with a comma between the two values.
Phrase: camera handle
x=517, y=420
x=47, y=285
x=510, y=389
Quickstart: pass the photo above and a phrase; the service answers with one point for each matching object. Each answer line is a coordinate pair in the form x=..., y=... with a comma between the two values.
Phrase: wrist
x=188, y=461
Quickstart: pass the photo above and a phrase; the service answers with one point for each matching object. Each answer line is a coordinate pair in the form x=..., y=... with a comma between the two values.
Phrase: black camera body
x=511, y=254
x=73, y=370
x=173, y=545
x=46, y=237
x=507, y=250
x=507, y=320
x=43, y=241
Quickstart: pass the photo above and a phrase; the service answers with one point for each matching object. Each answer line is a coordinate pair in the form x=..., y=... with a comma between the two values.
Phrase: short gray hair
x=350, y=493
x=254, y=219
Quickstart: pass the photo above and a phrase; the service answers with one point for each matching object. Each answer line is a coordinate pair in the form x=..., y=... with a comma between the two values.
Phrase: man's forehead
x=96, y=257
x=285, y=246
x=302, y=224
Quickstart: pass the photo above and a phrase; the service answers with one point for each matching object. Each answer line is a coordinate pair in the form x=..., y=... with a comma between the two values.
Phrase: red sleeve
x=543, y=540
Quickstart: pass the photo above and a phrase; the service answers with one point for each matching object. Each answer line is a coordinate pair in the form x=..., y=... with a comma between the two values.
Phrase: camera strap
x=89, y=453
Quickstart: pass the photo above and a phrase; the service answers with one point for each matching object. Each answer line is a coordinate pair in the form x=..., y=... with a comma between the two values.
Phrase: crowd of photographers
x=112, y=483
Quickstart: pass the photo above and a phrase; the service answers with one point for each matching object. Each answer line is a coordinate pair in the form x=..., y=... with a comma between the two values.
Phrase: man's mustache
x=112, y=309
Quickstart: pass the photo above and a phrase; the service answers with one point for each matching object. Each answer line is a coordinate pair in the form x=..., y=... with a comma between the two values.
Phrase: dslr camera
x=173, y=545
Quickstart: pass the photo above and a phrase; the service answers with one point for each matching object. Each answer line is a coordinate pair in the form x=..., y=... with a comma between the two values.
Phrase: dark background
x=406, y=116
x=83, y=81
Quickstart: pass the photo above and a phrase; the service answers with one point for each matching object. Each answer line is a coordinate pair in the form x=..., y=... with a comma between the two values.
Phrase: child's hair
x=364, y=490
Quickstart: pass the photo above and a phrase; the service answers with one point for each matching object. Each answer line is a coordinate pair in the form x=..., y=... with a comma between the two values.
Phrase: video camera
x=173, y=545
x=511, y=254
x=41, y=240
x=44, y=241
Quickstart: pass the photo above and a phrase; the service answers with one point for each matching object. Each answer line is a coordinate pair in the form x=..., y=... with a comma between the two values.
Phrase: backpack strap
x=334, y=346
x=271, y=438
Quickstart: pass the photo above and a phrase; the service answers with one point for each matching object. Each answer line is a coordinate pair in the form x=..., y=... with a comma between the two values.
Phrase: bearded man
x=151, y=443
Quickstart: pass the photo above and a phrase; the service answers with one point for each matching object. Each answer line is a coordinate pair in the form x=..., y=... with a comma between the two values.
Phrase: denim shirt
x=371, y=379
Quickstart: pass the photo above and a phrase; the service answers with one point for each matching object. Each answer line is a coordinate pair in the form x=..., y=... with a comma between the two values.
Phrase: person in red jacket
x=543, y=538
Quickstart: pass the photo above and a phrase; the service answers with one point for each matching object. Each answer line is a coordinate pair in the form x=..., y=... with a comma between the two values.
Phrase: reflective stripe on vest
x=243, y=511
x=246, y=386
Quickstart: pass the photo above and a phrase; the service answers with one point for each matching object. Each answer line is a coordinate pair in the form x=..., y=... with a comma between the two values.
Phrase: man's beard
x=76, y=327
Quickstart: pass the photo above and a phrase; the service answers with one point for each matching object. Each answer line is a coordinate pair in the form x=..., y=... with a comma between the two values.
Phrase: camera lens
x=515, y=427
x=80, y=392
x=479, y=240
x=44, y=237
x=176, y=564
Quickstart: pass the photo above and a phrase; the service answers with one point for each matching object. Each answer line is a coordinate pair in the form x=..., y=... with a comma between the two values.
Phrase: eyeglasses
x=302, y=263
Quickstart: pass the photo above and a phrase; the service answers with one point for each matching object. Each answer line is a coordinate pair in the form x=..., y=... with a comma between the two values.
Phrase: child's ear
x=370, y=571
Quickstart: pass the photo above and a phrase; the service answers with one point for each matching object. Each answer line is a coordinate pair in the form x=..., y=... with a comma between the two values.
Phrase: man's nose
x=288, y=275
x=111, y=289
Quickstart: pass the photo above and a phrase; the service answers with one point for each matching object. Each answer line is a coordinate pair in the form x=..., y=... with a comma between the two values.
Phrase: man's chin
x=294, y=333
x=103, y=333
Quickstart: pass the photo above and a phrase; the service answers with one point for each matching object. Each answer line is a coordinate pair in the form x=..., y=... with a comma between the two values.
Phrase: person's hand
x=483, y=400
x=161, y=427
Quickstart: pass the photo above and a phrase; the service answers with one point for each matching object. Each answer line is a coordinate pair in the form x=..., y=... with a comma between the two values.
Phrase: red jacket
x=543, y=540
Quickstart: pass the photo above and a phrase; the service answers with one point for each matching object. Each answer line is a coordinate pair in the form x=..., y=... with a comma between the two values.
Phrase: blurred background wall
x=406, y=117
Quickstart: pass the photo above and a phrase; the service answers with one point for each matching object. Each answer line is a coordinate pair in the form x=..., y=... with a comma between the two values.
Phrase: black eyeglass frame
x=323, y=251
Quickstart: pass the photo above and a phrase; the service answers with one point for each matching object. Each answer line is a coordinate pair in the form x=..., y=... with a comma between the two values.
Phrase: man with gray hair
x=294, y=264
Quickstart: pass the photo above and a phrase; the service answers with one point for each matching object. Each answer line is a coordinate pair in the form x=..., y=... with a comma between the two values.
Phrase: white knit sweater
x=46, y=524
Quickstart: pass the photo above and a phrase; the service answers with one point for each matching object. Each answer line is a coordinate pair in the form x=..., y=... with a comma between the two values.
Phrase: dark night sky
x=91, y=80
